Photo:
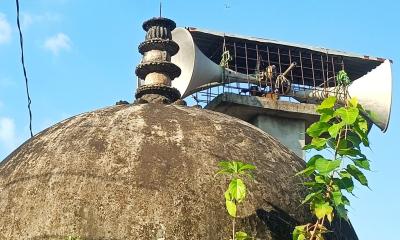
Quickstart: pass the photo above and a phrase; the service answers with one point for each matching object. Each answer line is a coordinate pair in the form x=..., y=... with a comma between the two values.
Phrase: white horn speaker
x=373, y=91
x=198, y=71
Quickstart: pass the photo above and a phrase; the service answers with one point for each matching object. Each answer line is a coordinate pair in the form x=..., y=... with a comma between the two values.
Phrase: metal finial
x=160, y=8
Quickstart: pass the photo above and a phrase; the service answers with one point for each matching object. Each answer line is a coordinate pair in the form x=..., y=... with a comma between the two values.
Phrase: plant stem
x=338, y=141
x=233, y=228
x=315, y=230
x=313, y=236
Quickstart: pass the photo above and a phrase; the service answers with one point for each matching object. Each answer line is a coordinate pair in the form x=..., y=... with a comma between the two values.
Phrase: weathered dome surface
x=146, y=172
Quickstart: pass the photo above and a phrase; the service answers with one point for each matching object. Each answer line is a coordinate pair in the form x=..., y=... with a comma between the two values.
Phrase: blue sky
x=81, y=55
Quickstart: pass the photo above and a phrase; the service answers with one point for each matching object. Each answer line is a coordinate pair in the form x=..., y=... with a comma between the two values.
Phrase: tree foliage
x=341, y=131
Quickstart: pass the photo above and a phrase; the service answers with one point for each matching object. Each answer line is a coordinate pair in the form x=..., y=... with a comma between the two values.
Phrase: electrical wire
x=21, y=41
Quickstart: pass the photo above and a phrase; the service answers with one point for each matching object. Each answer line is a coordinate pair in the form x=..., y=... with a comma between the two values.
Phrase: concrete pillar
x=285, y=121
x=290, y=132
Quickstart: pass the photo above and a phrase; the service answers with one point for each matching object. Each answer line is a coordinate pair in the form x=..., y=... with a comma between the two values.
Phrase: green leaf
x=231, y=208
x=320, y=179
x=326, y=117
x=362, y=163
x=235, y=167
x=357, y=174
x=226, y=167
x=241, y=236
x=354, y=139
x=310, y=166
x=298, y=231
x=325, y=166
x=341, y=211
x=311, y=196
x=345, y=200
x=361, y=129
x=243, y=167
x=362, y=123
x=224, y=171
x=343, y=145
x=337, y=198
x=347, y=114
x=346, y=182
x=308, y=147
x=353, y=102
x=312, y=160
x=237, y=189
x=301, y=237
x=344, y=174
x=228, y=196
x=319, y=142
x=328, y=102
x=313, y=185
x=322, y=209
x=351, y=152
x=342, y=78
x=317, y=128
x=335, y=128
x=306, y=172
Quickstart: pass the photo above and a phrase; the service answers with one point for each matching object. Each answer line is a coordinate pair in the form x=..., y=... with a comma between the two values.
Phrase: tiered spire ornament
x=156, y=68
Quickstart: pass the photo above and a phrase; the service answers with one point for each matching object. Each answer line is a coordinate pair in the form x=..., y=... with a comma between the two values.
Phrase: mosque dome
x=146, y=171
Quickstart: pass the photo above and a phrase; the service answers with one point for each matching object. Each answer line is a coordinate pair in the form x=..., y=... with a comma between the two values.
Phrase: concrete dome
x=146, y=172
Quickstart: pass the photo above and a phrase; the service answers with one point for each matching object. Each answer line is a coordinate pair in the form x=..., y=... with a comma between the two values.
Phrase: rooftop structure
x=315, y=64
x=216, y=65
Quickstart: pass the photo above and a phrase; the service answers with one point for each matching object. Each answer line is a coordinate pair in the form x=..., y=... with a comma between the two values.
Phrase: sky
x=81, y=56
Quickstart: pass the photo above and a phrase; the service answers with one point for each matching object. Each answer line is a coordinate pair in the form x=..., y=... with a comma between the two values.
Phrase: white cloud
x=8, y=136
x=6, y=82
x=28, y=19
x=5, y=29
x=57, y=43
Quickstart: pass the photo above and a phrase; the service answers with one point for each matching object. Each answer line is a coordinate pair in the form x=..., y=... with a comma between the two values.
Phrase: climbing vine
x=236, y=191
x=339, y=133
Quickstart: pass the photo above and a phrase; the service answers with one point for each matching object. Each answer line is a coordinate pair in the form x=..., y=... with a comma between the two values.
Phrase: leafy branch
x=340, y=131
x=236, y=192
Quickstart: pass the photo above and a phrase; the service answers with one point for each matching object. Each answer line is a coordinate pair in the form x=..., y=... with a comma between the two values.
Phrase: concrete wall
x=285, y=121
x=290, y=132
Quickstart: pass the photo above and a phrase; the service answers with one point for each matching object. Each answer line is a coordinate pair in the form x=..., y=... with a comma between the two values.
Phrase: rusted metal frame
x=258, y=62
x=323, y=72
x=290, y=62
x=235, y=53
x=213, y=94
x=301, y=68
x=280, y=67
x=327, y=68
x=342, y=64
x=315, y=68
x=269, y=83
x=272, y=52
x=294, y=75
x=333, y=70
x=224, y=46
x=312, y=68
x=279, y=61
x=247, y=65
